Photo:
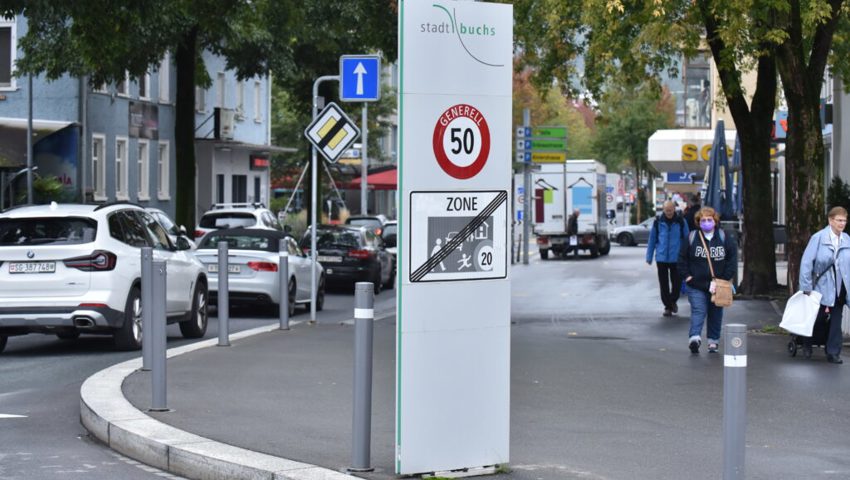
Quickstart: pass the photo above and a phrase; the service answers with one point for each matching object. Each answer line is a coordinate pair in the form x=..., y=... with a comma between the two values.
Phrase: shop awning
x=385, y=180
x=13, y=139
x=684, y=150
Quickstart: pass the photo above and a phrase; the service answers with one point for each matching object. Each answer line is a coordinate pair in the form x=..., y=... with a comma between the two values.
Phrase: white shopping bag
x=800, y=313
x=845, y=322
x=573, y=240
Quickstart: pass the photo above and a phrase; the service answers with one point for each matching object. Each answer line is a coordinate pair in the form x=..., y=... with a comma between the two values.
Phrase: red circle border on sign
x=469, y=171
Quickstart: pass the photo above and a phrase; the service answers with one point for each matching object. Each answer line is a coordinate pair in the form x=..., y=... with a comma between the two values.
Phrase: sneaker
x=674, y=308
x=712, y=347
x=694, y=344
x=667, y=312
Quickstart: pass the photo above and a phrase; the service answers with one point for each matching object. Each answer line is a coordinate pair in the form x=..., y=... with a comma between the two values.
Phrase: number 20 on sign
x=461, y=141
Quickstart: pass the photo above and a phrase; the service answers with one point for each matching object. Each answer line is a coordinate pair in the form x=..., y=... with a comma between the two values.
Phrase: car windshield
x=337, y=239
x=364, y=222
x=241, y=242
x=166, y=223
x=47, y=231
x=228, y=220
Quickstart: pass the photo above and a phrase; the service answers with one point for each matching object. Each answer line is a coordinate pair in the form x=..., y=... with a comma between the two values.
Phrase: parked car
x=390, y=237
x=178, y=235
x=232, y=215
x=630, y=235
x=72, y=269
x=352, y=254
x=373, y=222
x=253, y=268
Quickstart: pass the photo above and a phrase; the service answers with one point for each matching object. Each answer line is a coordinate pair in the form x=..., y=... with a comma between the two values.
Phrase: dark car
x=352, y=254
x=375, y=223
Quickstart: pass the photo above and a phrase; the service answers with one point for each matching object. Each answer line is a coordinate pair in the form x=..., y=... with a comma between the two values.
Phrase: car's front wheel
x=129, y=335
x=625, y=239
x=195, y=326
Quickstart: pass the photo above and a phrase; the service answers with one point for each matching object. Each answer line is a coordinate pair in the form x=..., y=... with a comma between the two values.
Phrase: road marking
x=6, y=415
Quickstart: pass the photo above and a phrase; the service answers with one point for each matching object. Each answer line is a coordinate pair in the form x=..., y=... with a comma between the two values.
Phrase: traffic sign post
x=454, y=287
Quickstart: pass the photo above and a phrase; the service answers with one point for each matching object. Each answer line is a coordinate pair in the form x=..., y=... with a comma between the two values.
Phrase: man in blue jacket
x=669, y=232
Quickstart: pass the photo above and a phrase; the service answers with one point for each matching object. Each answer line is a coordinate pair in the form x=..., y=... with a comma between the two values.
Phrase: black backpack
x=678, y=219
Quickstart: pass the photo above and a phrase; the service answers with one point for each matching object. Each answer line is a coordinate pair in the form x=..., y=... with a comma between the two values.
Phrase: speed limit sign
x=461, y=141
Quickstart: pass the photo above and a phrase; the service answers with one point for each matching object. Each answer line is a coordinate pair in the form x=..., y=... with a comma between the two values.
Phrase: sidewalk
x=599, y=398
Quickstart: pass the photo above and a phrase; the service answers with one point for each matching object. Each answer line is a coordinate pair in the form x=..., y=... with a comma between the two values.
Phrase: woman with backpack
x=708, y=249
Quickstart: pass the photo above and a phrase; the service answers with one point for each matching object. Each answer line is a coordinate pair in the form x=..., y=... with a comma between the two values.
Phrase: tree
x=807, y=30
x=631, y=41
x=628, y=117
x=254, y=37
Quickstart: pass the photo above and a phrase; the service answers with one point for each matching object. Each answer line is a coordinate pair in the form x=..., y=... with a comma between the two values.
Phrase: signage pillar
x=364, y=160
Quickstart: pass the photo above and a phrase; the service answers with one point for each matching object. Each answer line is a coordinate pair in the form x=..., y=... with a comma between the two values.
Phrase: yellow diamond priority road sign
x=332, y=132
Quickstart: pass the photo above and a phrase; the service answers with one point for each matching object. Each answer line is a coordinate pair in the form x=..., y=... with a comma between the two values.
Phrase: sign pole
x=526, y=208
x=364, y=160
x=314, y=172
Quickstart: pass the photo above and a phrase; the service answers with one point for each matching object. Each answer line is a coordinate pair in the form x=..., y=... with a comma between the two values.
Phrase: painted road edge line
x=110, y=417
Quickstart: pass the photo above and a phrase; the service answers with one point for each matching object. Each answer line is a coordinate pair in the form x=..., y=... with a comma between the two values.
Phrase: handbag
x=722, y=296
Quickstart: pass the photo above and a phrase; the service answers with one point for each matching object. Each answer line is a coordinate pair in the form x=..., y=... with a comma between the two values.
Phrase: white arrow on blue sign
x=359, y=78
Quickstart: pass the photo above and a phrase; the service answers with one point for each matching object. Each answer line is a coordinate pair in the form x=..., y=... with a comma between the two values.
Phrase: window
x=121, y=168
x=239, y=189
x=131, y=230
x=98, y=166
x=163, y=169
x=240, y=99
x=219, y=188
x=219, y=89
x=200, y=99
x=144, y=171
x=47, y=231
x=123, y=87
x=697, y=97
x=145, y=86
x=164, y=78
x=258, y=115
x=102, y=88
x=155, y=231
x=8, y=50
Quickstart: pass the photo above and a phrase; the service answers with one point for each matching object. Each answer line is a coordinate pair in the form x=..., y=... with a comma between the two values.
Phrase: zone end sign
x=453, y=342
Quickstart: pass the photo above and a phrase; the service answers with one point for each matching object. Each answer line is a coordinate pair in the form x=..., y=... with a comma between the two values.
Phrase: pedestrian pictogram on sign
x=461, y=141
x=332, y=132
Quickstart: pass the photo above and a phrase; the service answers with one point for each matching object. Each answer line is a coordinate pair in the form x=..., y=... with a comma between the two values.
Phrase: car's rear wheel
x=606, y=247
x=68, y=335
x=391, y=281
x=291, y=300
x=320, y=294
x=195, y=326
x=129, y=335
x=544, y=254
x=3, y=340
x=376, y=281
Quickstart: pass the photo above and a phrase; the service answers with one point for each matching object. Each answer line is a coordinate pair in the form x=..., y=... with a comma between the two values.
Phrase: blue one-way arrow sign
x=360, y=78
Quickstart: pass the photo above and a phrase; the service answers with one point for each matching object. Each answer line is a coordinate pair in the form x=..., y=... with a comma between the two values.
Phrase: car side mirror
x=182, y=230
x=183, y=243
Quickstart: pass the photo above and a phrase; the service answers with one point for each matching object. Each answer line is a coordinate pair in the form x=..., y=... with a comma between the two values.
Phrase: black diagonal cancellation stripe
x=452, y=244
x=340, y=123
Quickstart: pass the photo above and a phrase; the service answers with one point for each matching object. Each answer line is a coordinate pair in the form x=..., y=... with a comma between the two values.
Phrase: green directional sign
x=542, y=144
x=553, y=132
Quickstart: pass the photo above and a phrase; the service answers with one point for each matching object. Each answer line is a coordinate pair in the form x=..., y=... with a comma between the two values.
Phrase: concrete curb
x=109, y=416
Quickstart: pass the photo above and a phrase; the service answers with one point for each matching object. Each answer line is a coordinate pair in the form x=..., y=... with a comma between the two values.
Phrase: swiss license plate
x=32, y=267
x=329, y=259
x=213, y=268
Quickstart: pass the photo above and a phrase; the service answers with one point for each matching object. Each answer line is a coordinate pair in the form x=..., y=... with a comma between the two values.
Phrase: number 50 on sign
x=461, y=141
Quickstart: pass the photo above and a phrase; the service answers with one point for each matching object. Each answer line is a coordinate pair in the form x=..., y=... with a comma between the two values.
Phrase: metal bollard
x=283, y=266
x=223, y=296
x=734, y=401
x=158, y=337
x=364, y=316
x=147, y=305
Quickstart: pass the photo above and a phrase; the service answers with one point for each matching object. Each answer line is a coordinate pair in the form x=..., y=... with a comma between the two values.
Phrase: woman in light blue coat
x=825, y=268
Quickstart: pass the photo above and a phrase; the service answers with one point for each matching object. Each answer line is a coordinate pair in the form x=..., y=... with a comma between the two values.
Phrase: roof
x=47, y=210
x=252, y=232
x=385, y=180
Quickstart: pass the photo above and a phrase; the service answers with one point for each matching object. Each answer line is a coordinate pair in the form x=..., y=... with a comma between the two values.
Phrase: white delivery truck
x=558, y=189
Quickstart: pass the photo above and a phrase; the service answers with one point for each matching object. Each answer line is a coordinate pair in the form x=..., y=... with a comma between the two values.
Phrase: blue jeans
x=701, y=307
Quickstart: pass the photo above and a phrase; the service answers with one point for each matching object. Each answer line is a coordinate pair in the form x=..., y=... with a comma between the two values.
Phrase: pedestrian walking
x=707, y=249
x=572, y=230
x=666, y=237
x=828, y=256
x=692, y=210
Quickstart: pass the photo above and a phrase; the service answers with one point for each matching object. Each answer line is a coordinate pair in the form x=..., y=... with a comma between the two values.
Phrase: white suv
x=72, y=269
x=234, y=215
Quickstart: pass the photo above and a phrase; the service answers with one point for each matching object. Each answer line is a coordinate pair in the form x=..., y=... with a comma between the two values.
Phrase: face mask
x=706, y=225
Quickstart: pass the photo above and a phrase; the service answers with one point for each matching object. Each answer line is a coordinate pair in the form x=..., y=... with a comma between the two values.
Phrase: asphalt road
x=603, y=387
x=40, y=379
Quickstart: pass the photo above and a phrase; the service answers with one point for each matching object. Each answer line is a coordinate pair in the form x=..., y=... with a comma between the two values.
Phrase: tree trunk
x=184, y=130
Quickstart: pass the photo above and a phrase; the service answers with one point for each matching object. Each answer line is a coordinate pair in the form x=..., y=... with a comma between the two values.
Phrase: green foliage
x=838, y=194
x=44, y=190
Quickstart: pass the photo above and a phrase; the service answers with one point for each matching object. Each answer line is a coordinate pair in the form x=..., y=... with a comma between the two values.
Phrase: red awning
x=386, y=180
